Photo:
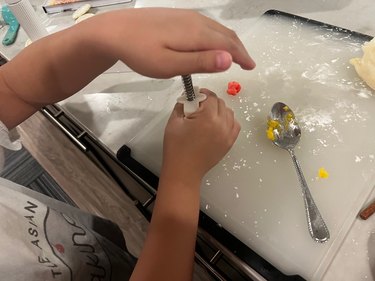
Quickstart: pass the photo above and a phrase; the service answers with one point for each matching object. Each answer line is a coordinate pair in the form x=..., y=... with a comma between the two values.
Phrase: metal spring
x=188, y=85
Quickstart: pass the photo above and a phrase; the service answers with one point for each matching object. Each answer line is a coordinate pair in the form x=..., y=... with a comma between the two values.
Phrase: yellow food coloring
x=270, y=134
x=272, y=125
x=289, y=117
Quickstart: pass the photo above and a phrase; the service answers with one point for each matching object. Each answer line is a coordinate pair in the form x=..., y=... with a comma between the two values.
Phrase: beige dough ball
x=81, y=11
x=84, y=17
x=365, y=66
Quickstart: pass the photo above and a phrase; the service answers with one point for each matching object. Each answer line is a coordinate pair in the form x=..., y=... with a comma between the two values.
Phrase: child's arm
x=156, y=42
x=192, y=146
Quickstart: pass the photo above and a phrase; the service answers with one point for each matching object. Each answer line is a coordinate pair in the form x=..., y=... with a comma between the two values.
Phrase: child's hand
x=162, y=42
x=193, y=145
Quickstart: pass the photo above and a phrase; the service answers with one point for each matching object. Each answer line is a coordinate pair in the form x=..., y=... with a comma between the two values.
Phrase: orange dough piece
x=232, y=91
x=233, y=88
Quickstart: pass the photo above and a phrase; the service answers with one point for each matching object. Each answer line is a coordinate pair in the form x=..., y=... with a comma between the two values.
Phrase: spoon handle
x=317, y=227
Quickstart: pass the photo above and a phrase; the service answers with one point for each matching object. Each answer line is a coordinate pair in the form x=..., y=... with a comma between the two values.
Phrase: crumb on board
x=322, y=173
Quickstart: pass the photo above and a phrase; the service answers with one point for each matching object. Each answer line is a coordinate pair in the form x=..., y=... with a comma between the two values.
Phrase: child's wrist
x=179, y=175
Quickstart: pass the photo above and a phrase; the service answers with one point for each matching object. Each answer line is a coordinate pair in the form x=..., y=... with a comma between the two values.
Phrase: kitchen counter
x=356, y=258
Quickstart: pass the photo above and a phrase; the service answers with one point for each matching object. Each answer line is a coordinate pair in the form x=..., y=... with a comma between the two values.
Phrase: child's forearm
x=49, y=70
x=168, y=253
x=59, y=65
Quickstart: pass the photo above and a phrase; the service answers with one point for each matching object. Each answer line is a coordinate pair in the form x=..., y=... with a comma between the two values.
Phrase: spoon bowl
x=285, y=132
x=288, y=132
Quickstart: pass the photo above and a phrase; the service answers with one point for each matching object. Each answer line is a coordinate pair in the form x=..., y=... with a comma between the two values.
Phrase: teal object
x=14, y=26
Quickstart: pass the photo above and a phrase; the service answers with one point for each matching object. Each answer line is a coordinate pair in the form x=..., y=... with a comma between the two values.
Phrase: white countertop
x=356, y=258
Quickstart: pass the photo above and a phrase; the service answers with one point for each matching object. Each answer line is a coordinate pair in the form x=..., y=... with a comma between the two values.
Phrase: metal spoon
x=286, y=134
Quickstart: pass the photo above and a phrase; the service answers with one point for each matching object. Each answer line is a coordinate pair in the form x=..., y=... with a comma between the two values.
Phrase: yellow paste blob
x=322, y=173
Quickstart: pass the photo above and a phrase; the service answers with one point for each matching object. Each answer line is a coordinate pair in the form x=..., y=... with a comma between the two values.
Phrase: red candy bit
x=233, y=88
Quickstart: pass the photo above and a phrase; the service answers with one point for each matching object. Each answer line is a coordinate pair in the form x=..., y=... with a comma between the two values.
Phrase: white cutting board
x=254, y=191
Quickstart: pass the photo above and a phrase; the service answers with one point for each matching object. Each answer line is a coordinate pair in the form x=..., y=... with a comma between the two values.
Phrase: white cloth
x=45, y=239
x=9, y=139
